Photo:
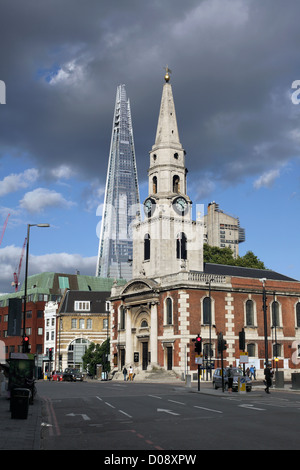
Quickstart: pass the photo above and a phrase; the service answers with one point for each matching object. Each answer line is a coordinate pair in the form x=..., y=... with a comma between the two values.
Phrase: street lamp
x=209, y=292
x=263, y=280
x=24, y=345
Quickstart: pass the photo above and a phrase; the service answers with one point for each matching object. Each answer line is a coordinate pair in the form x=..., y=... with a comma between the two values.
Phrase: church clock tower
x=167, y=241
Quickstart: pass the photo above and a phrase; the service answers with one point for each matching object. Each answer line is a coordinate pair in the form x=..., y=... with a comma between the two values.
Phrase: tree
x=214, y=254
x=96, y=354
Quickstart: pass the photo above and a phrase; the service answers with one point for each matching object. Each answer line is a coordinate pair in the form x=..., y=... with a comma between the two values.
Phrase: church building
x=174, y=296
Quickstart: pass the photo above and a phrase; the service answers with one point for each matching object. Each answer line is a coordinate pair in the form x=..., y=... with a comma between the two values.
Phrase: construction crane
x=4, y=227
x=17, y=274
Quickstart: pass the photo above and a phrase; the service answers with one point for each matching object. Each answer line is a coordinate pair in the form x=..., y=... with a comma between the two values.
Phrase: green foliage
x=214, y=254
x=96, y=354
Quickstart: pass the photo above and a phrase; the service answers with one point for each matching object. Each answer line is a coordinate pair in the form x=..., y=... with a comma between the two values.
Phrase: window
x=122, y=318
x=82, y=306
x=63, y=282
x=251, y=349
x=147, y=247
x=298, y=315
x=144, y=324
x=105, y=323
x=206, y=311
x=81, y=324
x=154, y=182
x=176, y=185
x=74, y=323
x=275, y=314
x=40, y=331
x=89, y=323
x=249, y=313
x=181, y=251
x=169, y=311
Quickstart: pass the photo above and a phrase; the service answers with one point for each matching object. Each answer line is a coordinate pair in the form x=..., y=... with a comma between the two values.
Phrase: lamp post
x=24, y=346
x=263, y=280
x=209, y=295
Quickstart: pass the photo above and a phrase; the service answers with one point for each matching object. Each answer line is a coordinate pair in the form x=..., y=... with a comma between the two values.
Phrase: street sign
x=198, y=360
x=244, y=359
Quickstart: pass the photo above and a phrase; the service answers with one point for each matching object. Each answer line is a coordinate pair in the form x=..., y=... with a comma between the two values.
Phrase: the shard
x=121, y=201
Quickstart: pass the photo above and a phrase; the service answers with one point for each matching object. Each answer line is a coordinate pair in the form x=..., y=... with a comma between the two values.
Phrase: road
x=164, y=417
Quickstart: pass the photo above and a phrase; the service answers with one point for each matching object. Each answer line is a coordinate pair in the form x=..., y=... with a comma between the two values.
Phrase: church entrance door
x=145, y=356
x=169, y=358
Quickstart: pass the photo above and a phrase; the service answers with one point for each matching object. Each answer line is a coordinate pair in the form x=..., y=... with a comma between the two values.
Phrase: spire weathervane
x=167, y=74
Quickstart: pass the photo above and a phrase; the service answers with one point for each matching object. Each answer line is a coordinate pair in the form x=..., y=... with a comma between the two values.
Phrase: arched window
x=147, y=246
x=275, y=314
x=144, y=324
x=169, y=311
x=249, y=313
x=176, y=184
x=251, y=349
x=206, y=311
x=154, y=183
x=181, y=249
x=298, y=315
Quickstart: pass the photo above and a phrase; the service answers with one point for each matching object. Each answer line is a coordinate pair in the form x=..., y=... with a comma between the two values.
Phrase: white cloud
x=70, y=72
x=267, y=179
x=40, y=198
x=62, y=172
x=16, y=181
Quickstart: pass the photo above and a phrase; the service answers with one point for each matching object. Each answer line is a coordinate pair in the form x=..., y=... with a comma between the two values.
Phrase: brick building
x=156, y=315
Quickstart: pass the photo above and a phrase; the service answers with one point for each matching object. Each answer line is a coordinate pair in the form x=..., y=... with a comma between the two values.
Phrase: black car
x=72, y=375
x=237, y=373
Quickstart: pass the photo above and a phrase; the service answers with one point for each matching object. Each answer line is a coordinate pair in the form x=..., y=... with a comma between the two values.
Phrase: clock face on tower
x=149, y=207
x=180, y=205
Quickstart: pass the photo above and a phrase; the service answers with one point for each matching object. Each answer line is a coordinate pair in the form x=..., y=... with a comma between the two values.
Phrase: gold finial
x=167, y=74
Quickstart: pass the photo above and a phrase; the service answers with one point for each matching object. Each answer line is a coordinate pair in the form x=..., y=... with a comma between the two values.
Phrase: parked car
x=72, y=375
x=57, y=376
x=217, y=379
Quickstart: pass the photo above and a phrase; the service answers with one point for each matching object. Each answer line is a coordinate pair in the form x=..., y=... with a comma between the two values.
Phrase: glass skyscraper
x=121, y=201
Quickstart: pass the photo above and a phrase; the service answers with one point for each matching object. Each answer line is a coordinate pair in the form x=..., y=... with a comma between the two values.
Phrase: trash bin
x=296, y=381
x=19, y=403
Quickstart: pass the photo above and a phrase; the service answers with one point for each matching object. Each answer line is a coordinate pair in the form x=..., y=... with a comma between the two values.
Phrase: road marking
x=99, y=398
x=208, y=409
x=154, y=396
x=170, y=412
x=109, y=404
x=251, y=407
x=126, y=414
x=179, y=402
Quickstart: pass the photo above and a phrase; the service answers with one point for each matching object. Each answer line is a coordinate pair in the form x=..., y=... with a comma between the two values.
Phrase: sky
x=233, y=62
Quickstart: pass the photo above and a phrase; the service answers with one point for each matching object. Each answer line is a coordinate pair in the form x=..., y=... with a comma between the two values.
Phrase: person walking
x=230, y=378
x=268, y=376
x=125, y=374
x=130, y=373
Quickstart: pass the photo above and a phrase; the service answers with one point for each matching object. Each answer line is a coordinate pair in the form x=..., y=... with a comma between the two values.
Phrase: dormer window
x=82, y=306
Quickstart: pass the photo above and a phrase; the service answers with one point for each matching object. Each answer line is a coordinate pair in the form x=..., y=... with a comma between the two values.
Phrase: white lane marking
x=208, y=409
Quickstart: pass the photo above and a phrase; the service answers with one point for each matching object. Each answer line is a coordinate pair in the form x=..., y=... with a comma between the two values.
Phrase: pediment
x=139, y=285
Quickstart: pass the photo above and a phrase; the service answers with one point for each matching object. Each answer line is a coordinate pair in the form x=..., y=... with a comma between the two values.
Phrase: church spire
x=167, y=131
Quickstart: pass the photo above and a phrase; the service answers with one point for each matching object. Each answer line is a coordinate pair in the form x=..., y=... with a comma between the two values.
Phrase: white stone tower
x=168, y=240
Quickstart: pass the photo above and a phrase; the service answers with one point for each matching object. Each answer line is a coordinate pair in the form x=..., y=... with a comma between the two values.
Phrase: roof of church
x=226, y=270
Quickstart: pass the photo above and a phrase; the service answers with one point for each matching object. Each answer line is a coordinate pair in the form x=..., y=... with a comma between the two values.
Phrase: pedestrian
x=130, y=373
x=248, y=372
x=268, y=376
x=230, y=378
x=252, y=372
x=125, y=373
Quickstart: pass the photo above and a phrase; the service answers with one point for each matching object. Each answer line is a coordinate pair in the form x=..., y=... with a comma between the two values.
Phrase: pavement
x=25, y=434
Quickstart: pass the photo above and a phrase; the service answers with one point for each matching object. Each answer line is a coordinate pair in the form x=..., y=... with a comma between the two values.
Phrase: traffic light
x=198, y=344
x=26, y=344
x=242, y=340
x=222, y=343
x=50, y=354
